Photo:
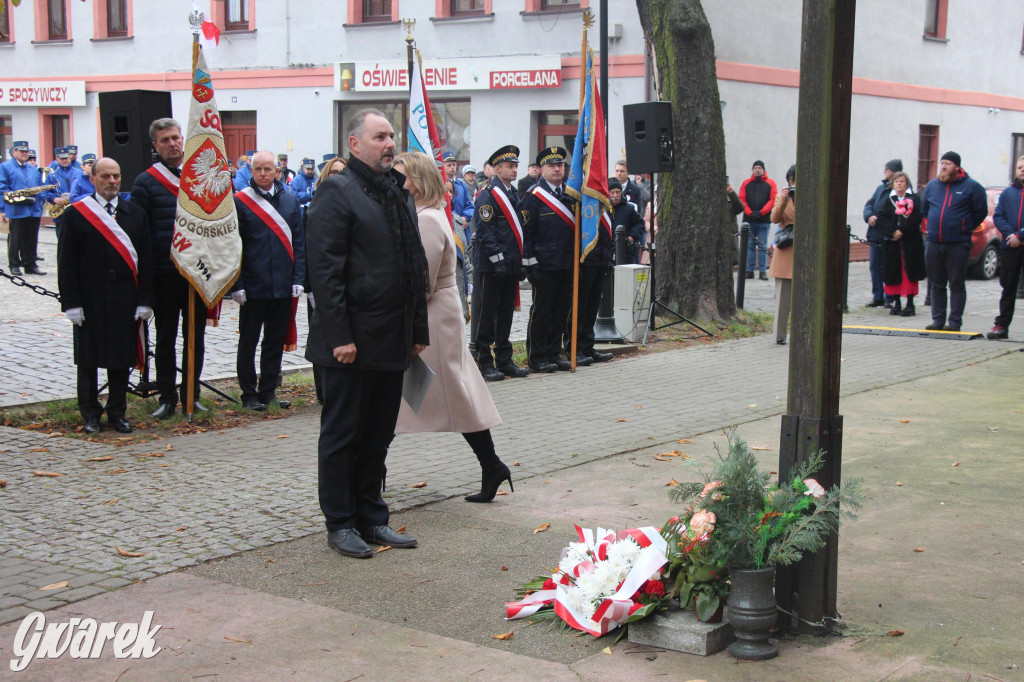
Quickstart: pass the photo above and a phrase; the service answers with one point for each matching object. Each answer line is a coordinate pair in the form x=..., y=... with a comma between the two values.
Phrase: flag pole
x=190, y=331
x=573, y=345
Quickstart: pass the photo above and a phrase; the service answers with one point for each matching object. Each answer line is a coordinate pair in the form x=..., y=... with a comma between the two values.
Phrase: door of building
x=557, y=129
x=239, y=132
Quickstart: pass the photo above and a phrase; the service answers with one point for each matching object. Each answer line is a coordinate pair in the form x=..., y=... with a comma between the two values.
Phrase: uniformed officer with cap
x=498, y=257
x=63, y=174
x=549, y=224
x=22, y=213
x=82, y=185
x=244, y=173
x=302, y=185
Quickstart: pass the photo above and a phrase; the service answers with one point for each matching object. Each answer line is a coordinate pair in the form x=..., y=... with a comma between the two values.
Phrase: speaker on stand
x=125, y=116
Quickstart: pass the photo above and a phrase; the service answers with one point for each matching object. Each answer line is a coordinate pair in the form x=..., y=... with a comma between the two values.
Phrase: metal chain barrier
x=858, y=239
x=20, y=281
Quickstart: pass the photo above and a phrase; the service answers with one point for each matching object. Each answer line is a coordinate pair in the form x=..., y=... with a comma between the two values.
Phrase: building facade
x=929, y=75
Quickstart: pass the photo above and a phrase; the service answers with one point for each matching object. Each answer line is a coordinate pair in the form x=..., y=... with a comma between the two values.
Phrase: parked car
x=983, y=263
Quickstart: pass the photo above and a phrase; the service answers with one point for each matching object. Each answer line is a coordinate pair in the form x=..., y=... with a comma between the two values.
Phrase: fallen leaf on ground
x=113, y=501
x=504, y=568
x=606, y=650
x=515, y=463
x=163, y=465
x=956, y=464
x=661, y=458
x=895, y=633
x=46, y=474
x=54, y=586
x=401, y=530
x=898, y=483
x=621, y=420
x=54, y=434
x=760, y=448
x=673, y=453
x=919, y=549
x=541, y=528
x=421, y=484
x=103, y=458
x=282, y=435
x=180, y=529
x=382, y=548
x=169, y=447
x=752, y=405
x=904, y=421
x=502, y=492
x=39, y=449
x=115, y=471
x=640, y=406
x=240, y=641
x=150, y=454
x=684, y=441
x=672, y=482
x=505, y=636
x=993, y=428
x=3, y=483
x=130, y=555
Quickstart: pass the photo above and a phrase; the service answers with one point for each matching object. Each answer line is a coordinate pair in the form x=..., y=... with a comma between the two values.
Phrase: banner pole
x=575, y=290
x=190, y=328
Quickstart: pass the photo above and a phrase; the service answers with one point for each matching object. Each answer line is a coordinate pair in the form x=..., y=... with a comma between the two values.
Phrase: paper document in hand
x=416, y=382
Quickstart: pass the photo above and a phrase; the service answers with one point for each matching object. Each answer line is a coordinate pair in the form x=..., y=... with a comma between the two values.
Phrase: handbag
x=784, y=237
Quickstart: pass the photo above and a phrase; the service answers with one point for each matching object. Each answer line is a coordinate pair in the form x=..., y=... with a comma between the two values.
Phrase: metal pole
x=741, y=264
x=605, y=330
x=846, y=277
x=620, y=245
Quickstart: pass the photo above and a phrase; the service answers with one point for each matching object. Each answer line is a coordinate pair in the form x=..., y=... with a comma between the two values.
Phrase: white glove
x=76, y=315
x=297, y=290
x=238, y=296
x=312, y=303
x=143, y=312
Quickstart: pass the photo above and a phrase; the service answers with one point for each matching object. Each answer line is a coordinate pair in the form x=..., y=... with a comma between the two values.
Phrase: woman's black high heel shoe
x=492, y=480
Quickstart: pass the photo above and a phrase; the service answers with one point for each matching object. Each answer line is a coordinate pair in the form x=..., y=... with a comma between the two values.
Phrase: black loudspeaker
x=649, y=137
x=125, y=116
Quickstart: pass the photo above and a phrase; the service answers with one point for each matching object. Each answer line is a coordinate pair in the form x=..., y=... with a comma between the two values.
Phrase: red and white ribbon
x=555, y=205
x=165, y=177
x=511, y=215
x=268, y=215
x=105, y=224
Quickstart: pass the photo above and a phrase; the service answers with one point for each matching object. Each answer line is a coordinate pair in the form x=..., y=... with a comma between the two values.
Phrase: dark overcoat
x=910, y=245
x=93, y=276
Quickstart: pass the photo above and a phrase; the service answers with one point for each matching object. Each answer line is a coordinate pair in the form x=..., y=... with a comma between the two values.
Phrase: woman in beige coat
x=783, y=213
x=458, y=399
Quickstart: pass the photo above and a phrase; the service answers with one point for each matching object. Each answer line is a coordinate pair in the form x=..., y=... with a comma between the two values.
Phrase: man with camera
x=625, y=213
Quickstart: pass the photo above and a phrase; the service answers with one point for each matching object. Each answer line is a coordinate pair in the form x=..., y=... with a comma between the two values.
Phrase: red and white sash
x=96, y=214
x=555, y=205
x=511, y=215
x=165, y=177
x=268, y=215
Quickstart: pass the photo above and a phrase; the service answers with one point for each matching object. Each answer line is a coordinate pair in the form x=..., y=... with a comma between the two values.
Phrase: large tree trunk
x=695, y=242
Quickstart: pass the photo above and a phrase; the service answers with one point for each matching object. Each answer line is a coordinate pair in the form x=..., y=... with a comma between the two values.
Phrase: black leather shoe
x=513, y=371
x=197, y=407
x=998, y=332
x=15, y=270
x=909, y=311
x=347, y=541
x=764, y=276
x=950, y=328
x=34, y=271
x=492, y=478
x=283, y=404
x=489, y=373
x=93, y=426
x=934, y=327
x=384, y=535
x=563, y=365
x=750, y=275
x=584, y=360
x=544, y=368
x=601, y=357
x=896, y=309
x=165, y=411
x=887, y=304
x=253, y=404
x=873, y=304
x=120, y=424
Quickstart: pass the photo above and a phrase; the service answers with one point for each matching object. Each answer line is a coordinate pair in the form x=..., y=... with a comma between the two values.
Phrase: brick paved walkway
x=214, y=494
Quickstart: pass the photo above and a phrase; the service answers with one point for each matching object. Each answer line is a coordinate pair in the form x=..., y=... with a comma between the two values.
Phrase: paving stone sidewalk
x=186, y=500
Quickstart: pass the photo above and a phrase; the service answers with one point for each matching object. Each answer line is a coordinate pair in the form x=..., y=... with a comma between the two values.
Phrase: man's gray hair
x=355, y=126
x=160, y=125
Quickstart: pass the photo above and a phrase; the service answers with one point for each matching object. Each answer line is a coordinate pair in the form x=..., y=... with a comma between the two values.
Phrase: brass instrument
x=17, y=196
x=53, y=210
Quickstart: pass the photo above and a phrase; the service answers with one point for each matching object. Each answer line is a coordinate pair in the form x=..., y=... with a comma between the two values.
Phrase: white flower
x=578, y=600
x=626, y=549
x=814, y=489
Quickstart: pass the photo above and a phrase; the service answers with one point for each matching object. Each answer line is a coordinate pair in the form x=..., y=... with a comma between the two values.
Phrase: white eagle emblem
x=212, y=175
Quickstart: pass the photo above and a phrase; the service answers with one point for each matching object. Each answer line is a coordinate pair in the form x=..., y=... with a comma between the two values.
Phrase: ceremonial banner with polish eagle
x=206, y=248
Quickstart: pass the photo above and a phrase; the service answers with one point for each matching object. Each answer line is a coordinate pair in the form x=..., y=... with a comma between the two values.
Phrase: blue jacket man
x=1009, y=219
x=304, y=183
x=82, y=186
x=273, y=271
x=955, y=205
x=244, y=173
x=17, y=173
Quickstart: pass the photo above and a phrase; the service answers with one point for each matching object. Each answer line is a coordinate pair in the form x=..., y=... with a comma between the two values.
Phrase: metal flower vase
x=752, y=613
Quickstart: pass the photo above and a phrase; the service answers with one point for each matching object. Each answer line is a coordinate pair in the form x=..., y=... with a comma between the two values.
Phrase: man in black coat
x=273, y=270
x=369, y=273
x=156, y=193
x=548, y=230
x=105, y=278
x=624, y=213
x=594, y=268
x=498, y=257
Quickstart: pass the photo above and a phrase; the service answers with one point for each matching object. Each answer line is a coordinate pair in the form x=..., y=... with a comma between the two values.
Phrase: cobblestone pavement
x=192, y=498
x=189, y=499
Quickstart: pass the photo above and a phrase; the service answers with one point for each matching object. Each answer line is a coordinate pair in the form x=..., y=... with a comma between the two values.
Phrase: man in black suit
x=106, y=280
x=369, y=273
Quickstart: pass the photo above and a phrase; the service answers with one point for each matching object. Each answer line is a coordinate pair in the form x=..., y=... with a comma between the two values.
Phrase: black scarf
x=386, y=189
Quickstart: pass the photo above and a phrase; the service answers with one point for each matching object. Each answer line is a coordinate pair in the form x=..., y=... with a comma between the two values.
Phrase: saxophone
x=18, y=196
